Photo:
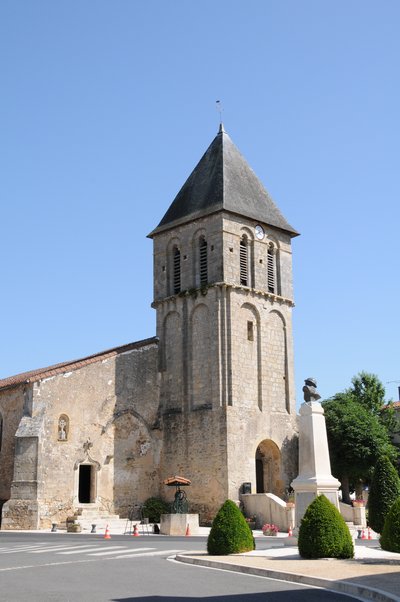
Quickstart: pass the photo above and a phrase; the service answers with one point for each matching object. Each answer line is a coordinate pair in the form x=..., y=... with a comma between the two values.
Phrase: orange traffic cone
x=187, y=534
x=363, y=534
x=369, y=533
x=107, y=533
x=135, y=531
x=290, y=532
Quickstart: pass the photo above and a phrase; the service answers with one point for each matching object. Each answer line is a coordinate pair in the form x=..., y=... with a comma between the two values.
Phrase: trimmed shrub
x=153, y=508
x=229, y=534
x=323, y=532
x=390, y=538
x=384, y=490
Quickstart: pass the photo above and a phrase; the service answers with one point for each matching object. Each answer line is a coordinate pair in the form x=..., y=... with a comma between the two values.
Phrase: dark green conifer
x=229, y=534
x=323, y=532
x=384, y=490
x=390, y=538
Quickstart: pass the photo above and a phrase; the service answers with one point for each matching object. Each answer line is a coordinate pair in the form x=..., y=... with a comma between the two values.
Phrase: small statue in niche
x=62, y=428
x=310, y=390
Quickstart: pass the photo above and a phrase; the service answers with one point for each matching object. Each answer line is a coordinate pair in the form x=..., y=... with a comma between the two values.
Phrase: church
x=211, y=397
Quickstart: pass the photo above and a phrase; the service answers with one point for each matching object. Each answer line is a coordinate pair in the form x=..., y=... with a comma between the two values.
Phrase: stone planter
x=270, y=533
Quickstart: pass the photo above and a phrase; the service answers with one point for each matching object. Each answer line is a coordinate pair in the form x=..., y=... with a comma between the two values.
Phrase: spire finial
x=218, y=106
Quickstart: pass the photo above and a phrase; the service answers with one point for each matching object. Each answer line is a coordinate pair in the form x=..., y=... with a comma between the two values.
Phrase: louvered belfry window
x=177, y=270
x=203, y=262
x=271, y=270
x=244, y=262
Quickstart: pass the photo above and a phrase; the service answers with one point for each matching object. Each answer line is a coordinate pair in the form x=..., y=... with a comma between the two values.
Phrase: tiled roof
x=40, y=373
x=223, y=181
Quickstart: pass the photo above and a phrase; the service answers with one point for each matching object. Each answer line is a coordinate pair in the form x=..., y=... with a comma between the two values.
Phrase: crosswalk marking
x=91, y=549
x=95, y=549
x=113, y=551
x=16, y=550
x=156, y=553
x=57, y=549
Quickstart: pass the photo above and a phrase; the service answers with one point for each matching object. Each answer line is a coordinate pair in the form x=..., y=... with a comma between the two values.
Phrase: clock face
x=259, y=232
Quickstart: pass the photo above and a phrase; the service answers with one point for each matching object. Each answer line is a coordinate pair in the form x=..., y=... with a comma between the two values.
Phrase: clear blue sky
x=106, y=107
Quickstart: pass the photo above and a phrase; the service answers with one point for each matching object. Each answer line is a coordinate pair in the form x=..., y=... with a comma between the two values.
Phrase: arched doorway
x=268, y=468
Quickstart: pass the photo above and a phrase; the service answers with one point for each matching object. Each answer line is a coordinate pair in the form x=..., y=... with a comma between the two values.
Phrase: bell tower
x=223, y=297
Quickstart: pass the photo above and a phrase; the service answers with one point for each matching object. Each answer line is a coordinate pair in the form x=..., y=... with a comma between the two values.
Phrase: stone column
x=315, y=476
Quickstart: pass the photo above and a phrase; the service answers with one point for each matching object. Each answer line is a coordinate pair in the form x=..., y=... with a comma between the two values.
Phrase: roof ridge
x=35, y=375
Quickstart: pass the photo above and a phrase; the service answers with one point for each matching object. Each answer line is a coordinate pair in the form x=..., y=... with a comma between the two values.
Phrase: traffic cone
x=135, y=531
x=107, y=533
x=369, y=533
x=187, y=534
x=290, y=532
x=363, y=534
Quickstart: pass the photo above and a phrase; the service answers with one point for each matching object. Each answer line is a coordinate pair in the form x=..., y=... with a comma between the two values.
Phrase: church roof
x=41, y=373
x=223, y=180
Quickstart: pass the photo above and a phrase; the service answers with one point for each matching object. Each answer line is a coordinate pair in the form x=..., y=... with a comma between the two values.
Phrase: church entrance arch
x=268, y=468
x=87, y=484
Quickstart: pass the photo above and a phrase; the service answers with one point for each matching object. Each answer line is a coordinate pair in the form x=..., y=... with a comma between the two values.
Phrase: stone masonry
x=210, y=398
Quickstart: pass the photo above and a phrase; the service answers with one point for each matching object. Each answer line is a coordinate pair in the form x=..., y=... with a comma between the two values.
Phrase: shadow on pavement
x=294, y=595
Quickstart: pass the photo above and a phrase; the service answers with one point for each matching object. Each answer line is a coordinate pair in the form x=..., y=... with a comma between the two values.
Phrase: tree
x=385, y=489
x=229, y=534
x=356, y=439
x=323, y=532
x=368, y=390
x=390, y=538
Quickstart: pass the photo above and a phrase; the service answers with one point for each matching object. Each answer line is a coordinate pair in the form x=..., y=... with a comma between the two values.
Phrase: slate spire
x=223, y=181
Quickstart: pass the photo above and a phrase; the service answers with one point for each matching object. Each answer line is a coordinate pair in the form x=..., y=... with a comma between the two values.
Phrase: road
x=56, y=567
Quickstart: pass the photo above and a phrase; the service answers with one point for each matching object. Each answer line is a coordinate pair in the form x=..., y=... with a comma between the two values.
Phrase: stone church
x=211, y=397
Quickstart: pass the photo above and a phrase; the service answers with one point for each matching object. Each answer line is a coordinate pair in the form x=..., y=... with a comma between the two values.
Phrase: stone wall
x=111, y=413
x=11, y=409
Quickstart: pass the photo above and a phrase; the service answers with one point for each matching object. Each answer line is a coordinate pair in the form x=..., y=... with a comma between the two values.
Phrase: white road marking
x=113, y=551
x=57, y=549
x=80, y=551
x=17, y=550
x=158, y=553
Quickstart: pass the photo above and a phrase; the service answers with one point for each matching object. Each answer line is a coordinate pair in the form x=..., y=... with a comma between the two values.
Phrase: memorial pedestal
x=315, y=476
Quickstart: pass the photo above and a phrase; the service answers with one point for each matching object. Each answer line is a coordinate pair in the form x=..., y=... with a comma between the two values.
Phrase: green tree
x=384, y=491
x=230, y=533
x=368, y=390
x=356, y=439
x=323, y=532
x=390, y=538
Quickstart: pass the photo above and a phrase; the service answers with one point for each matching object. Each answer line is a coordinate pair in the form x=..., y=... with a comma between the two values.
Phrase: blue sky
x=106, y=107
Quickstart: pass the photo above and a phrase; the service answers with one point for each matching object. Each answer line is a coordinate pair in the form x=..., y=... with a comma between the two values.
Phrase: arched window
x=63, y=428
x=177, y=271
x=271, y=269
x=1, y=430
x=203, y=261
x=244, y=261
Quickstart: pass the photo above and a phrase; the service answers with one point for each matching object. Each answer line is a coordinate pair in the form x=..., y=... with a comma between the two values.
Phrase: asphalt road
x=56, y=567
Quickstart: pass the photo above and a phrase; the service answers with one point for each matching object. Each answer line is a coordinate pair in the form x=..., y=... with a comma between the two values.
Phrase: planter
x=270, y=533
x=358, y=504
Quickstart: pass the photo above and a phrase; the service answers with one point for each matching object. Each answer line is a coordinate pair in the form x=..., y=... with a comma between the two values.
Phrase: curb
x=341, y=587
